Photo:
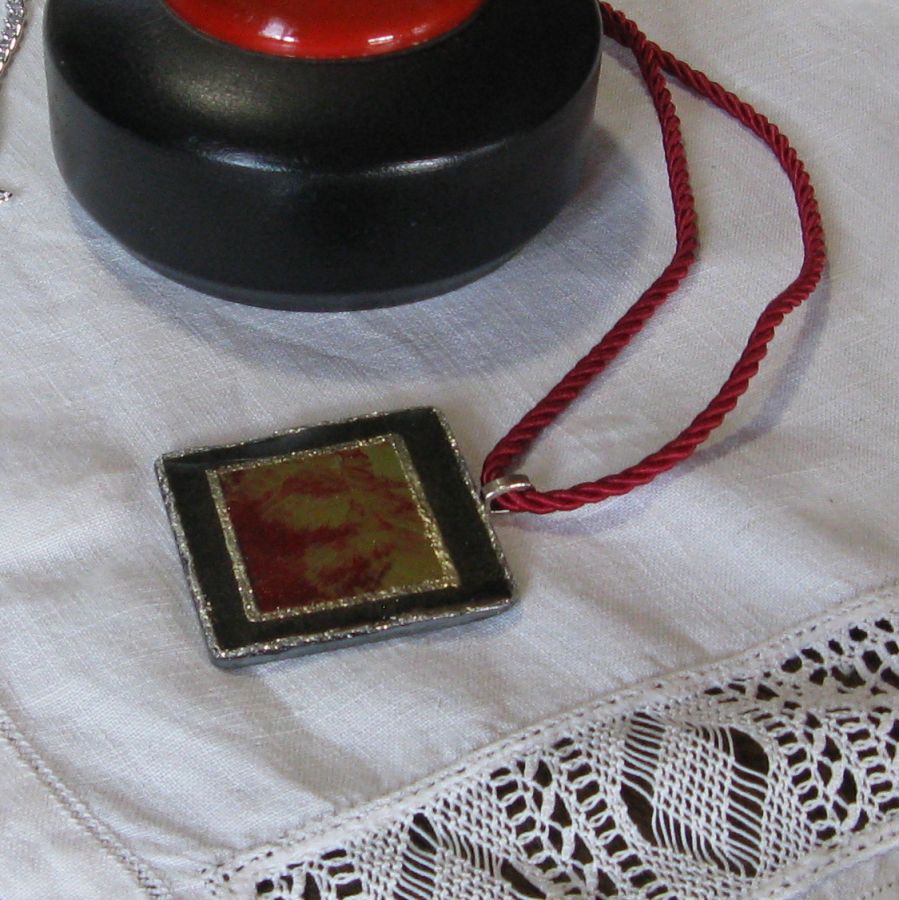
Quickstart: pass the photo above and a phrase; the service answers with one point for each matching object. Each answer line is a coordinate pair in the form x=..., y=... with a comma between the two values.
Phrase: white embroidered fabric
x=745, y=780
x=130, y=766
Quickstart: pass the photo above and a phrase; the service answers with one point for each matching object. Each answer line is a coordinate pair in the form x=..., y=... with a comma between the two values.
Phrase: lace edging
x=756, y=773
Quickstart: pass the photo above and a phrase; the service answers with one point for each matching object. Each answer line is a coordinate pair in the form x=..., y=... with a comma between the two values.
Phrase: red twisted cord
x=653, y=61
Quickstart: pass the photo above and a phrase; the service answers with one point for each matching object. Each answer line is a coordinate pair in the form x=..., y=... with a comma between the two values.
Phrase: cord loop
x=653, y=62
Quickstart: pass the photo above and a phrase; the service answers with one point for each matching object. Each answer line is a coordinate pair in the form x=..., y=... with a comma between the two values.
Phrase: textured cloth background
x=793, y=506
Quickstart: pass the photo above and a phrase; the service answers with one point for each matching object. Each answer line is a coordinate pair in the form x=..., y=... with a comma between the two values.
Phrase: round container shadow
x=322, y=184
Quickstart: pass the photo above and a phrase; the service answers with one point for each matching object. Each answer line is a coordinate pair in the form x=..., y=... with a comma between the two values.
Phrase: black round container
x=321, y=185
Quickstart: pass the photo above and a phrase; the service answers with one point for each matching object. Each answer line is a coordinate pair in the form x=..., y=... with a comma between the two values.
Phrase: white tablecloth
x=793, y=507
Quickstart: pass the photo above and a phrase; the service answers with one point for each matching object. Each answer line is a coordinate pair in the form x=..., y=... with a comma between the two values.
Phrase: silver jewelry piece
x=509, y=484
x=10, y=37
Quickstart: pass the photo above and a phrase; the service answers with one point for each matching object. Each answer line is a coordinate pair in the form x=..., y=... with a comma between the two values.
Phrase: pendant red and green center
x=330, y=527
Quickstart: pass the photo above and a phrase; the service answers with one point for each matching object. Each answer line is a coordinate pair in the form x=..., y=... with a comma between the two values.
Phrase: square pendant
x=332, y=534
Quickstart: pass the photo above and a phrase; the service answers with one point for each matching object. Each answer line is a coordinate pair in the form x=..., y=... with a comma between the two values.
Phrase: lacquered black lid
x=315, y=184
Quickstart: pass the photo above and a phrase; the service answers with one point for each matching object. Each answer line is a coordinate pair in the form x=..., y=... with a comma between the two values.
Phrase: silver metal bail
x=509, y=484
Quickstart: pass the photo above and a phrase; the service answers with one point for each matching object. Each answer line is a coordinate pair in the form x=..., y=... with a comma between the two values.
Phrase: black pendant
x=322, y=184
x=331, y=535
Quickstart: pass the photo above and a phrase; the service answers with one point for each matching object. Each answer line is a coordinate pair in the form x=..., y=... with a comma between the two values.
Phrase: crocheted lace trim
x=751, y=778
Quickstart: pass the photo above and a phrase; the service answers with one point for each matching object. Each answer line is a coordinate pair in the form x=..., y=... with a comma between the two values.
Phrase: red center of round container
x=325, y=29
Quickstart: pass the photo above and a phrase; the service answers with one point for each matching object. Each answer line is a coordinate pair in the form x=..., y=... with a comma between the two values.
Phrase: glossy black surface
x=321, y=185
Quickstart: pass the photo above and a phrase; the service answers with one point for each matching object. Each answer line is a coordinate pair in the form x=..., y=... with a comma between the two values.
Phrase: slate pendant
x=332, y=534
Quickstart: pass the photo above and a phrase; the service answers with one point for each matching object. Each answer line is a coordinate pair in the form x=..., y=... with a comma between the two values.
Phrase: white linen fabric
x=749, y=779
x=169, y=765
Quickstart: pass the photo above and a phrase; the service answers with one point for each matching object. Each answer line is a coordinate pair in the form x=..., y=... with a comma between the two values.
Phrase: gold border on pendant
x=449, y=579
